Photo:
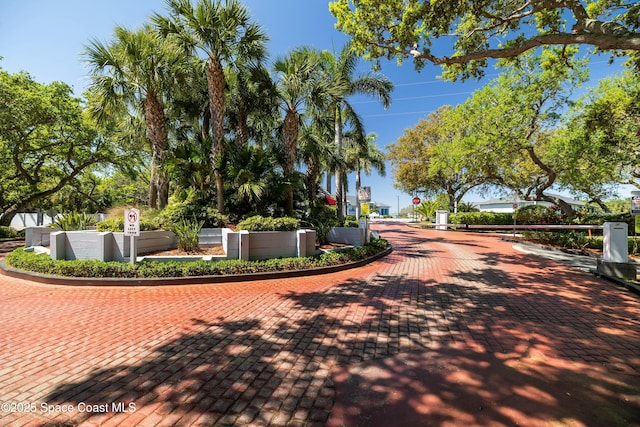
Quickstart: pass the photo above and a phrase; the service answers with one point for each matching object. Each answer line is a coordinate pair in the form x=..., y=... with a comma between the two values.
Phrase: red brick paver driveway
x=450, y=329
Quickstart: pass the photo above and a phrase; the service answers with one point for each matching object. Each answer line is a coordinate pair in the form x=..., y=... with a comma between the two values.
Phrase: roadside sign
x=416, y=200
x=131, y=222
x=364, y=194
x=515, y=206
x=635, y=203
x=364, y=208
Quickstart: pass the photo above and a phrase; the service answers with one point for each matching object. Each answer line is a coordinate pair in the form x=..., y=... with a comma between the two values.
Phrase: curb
x=192, y=280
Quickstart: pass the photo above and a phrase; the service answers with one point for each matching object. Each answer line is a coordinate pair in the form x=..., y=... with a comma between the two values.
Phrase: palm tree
x=250, y=95
x=339, y=75
x=137, y=68
x=364, y=155
x=298, y=90
x=224, y=32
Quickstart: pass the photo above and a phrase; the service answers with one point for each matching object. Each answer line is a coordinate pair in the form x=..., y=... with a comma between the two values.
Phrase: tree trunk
x=339, y=171
x=215, y=86
x=157, y=134
x=358, y=184
x=242, y=132
x=312, y=178
x=290, y=140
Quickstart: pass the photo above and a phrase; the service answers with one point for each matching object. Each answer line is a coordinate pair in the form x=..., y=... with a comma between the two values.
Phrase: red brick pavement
x=275, y=352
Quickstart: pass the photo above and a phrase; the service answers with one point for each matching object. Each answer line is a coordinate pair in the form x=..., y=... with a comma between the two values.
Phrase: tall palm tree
x=340, y=75
x=224, y=32
x=137, y=68
x=363, y=155
x=298, y=90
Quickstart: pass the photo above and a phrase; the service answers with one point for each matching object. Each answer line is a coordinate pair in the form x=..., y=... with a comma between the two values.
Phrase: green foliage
x=189, y=209
x=46, y=142
x=428, y=208
x=74, y=221
x=8, y=232
x=30, y=261
x=462, y=36
x=536, y=214
x=322, y=218
x=188, y=233
x=481, y=218
x=117, y=225
x=260, y=223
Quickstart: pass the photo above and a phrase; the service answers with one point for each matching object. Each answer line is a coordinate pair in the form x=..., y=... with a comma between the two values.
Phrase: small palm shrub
x=187, y=233
x=74, y=221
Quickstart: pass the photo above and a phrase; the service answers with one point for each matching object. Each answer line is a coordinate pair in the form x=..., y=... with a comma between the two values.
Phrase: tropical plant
x=363, y=155
x=298, y=89
x=338, y=75
x=137, y=68
x=187, y=232
x=224, y=32
x=74, y=221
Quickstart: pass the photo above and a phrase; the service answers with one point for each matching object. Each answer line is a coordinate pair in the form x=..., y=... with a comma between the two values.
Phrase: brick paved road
x=263, y=353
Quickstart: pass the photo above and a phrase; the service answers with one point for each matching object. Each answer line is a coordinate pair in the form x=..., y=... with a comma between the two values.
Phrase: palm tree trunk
x=290, y=140
x=339, y=171
x=215, y=86
x=157, y=134
x=313, y=169
x=242, y=132
x=358, y=184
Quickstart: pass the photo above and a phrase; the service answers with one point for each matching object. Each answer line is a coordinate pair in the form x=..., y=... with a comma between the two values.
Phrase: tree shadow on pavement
x=401, y=350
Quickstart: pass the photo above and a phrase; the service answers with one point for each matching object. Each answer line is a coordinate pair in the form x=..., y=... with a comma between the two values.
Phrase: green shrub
x=31, y=261
x=177, y=212
x=322, y=219
x=187, y=233
x=74, y=221
x=8, y=232
x=260, y=223
x=117, y=225
x=481, y=218
x=536, y=214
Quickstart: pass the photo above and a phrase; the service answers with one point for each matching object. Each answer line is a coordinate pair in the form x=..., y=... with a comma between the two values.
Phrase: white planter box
x=348, y=235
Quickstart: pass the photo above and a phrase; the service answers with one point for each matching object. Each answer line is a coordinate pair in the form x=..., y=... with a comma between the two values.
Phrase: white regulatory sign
x=131, y=222
x=635, y=203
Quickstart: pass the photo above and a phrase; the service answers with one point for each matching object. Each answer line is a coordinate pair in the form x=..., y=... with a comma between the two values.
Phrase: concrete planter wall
x=37, y=236
x=348, y=235
x=277, y=244
x=108, y=246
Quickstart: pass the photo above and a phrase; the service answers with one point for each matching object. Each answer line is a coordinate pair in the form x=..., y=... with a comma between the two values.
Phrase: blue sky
x=46, y=39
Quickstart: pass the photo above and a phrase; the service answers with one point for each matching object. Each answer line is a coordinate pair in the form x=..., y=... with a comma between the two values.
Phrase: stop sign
x=416, y=200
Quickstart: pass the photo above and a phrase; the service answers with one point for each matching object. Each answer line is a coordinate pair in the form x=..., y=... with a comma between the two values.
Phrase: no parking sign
x=131, y=222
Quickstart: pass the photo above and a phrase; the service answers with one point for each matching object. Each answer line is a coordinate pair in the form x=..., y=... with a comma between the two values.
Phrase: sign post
x=515, y=208
x=132, y=229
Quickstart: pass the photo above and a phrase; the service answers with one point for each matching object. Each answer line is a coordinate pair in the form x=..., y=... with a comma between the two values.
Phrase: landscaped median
x=41, y=268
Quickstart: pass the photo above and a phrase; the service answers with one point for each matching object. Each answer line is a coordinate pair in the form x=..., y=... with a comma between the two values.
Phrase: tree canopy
x=469, y=33
x=46, y=141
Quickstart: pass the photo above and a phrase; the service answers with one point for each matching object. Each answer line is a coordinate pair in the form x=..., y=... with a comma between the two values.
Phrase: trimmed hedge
x=116, y=225
x=481, y=218
x=30, y=261
x=260, y=223
x=576, y=240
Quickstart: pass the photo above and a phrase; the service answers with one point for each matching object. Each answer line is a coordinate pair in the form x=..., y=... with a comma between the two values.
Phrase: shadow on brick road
x=405, y=348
